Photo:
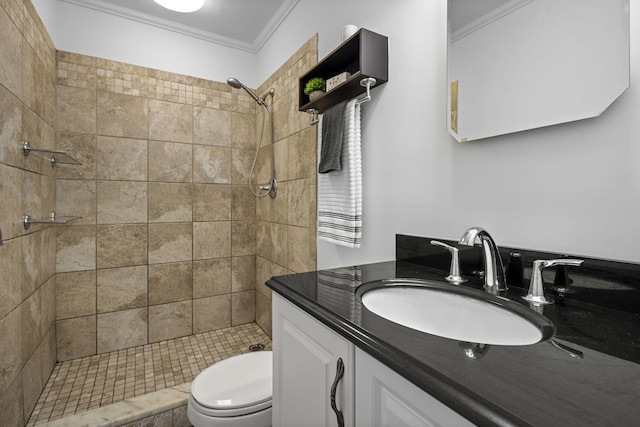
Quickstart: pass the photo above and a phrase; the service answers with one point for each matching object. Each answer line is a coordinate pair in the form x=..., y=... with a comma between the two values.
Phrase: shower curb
x=129, y=410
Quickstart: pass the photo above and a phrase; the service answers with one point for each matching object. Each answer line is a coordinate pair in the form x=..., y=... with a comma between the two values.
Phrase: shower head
x=235, y=83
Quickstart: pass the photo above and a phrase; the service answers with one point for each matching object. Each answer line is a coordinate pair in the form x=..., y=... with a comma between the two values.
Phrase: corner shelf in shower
x=53, y=219
x=364, y=55
x=54, y=156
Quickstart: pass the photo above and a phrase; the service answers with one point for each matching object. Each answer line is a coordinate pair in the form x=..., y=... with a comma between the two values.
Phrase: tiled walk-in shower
x=87, y=383
x=170, y=241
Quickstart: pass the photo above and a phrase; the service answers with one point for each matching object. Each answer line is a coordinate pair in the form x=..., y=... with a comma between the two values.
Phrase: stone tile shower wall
x=166, y=244
x=168, y=239
x=27, y=185
x=286, y=225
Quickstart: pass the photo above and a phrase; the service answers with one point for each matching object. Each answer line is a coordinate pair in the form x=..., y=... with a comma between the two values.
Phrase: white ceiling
x=241, y=24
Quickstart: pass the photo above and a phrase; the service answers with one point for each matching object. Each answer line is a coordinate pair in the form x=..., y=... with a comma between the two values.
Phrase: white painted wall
x=571, y=188
x=94, y=33
x=47, y=11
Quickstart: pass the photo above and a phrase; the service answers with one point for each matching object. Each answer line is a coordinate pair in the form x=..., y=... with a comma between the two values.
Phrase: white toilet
x=235, y=392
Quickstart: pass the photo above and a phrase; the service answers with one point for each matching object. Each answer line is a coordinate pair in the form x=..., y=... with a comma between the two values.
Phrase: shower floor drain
x=256, y=347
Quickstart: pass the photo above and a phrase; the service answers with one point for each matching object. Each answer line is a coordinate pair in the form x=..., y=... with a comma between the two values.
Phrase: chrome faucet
x=494, y=279
x=536, y=285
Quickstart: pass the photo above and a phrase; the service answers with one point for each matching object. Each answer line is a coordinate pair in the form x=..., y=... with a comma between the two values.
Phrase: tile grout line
x=93, y=382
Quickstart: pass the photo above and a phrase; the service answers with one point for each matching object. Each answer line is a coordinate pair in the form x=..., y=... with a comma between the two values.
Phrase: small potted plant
x=315, y=88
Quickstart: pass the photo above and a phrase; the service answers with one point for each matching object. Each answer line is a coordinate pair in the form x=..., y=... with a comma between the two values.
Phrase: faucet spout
x=494, y=279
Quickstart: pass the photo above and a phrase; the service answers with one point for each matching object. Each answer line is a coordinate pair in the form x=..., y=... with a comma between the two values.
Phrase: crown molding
x=133, y=15
x=488, y=18
x=278, y=18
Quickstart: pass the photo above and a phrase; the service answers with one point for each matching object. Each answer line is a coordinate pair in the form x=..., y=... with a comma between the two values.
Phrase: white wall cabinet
x=305, y=358
x=384, y=398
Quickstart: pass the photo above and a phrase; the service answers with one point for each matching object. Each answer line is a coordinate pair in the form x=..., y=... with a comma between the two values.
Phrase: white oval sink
x=454, y=312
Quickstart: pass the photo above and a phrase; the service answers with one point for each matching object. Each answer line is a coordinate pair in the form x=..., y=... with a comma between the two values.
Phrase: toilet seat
x=236, y=386
x=228, y=413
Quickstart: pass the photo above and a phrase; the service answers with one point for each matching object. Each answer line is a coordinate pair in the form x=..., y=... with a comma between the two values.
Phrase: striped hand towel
x=340, y=192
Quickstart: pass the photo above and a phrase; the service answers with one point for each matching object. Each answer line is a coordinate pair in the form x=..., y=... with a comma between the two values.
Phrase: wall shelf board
x=363, y=55
x=52, y=219
x=53, y=156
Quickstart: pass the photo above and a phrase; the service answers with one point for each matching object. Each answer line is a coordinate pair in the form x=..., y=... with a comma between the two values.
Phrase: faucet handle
x=536, y=286
x=454, y=270
x=561, y=261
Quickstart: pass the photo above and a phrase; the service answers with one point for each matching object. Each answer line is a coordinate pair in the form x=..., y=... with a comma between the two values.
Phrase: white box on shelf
x=337, y=80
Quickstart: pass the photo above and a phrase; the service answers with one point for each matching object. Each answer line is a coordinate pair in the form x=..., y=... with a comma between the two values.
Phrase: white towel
x=340, y=192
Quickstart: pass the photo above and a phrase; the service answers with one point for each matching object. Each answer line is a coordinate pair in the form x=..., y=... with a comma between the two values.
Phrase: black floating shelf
x=363, y=55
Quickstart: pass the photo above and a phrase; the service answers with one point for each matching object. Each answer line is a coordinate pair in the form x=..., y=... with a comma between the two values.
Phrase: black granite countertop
x=538, y=385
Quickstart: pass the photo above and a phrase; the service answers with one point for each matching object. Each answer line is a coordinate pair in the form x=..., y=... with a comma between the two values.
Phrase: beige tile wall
x=27, y=186
x=286, y=225
x=166, y=244
x=162, y=194
x=169, y=233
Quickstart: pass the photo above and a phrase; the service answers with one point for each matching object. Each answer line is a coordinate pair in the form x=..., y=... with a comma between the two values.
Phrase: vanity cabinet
x=385, y=398
x=363, y=55
x=306, y=355
x=305, y=359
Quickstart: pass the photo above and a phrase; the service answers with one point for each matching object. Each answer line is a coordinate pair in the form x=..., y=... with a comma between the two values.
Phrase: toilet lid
x=236, y=382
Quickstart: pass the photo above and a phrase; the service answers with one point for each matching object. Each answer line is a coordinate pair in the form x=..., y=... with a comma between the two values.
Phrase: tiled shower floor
x=87, y=383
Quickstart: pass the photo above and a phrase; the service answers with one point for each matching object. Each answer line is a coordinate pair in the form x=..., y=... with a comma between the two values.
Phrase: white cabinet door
x=384, y=398
x=305, y=360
